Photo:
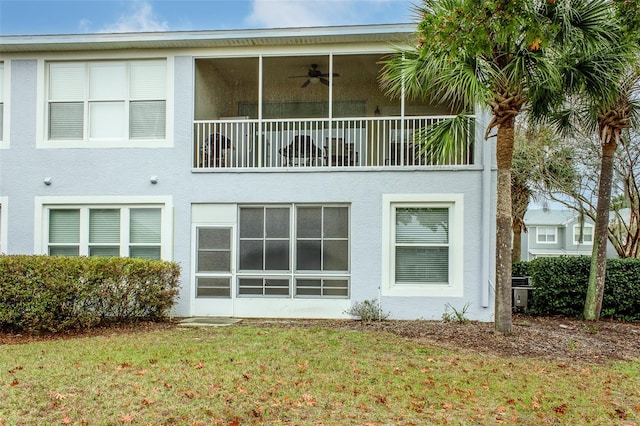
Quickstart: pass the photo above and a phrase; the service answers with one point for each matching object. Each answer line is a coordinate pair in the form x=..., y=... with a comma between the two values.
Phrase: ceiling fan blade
x=298, y=76
x=335, y=74
x=324, y=81
x=306, y=83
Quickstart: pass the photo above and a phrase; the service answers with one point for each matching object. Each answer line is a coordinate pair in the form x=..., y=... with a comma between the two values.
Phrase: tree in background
x=499, y=55
x=543, y=163
x=580, y=191
x=600, y=82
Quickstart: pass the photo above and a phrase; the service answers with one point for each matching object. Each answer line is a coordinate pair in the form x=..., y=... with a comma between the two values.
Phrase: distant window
x=106, y=100
x=546, y=234
x=587, y=234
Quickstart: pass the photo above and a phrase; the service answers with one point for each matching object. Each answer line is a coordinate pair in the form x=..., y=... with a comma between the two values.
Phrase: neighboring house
x=556, y=233
x=267, y=163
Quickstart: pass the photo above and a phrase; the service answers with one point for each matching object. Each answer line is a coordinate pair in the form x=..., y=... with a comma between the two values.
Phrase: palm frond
x=446, y=140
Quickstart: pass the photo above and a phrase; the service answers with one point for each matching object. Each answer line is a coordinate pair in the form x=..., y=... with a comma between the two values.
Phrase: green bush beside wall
x=560, y=287
x=49, y=294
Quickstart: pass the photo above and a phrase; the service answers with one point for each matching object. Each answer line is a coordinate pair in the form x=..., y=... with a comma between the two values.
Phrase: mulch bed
x=554, y=338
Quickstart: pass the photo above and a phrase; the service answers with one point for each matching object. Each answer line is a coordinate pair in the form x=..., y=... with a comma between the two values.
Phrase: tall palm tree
x=601, y=87
x=498, y=55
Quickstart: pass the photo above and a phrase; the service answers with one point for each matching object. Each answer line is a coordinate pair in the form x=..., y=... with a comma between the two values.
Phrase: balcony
x=311, y=144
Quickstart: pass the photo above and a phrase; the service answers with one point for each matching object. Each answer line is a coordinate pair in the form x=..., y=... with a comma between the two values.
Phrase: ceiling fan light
x=314, y=80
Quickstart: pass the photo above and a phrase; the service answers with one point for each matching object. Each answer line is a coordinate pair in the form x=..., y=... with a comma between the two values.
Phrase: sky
x=32, y=17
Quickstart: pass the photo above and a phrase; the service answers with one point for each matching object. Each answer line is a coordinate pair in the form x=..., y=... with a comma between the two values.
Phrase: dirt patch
x=554, y=338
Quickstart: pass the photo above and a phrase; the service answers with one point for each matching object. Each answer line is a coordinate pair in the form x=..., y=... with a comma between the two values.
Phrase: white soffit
x=205, y=39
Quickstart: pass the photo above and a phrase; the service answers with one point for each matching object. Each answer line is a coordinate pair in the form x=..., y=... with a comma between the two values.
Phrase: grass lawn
x=244, y=375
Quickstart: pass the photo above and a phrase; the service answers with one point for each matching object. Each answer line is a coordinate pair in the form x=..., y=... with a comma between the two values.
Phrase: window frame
x=546, y=234
x=455, y=205
x=84, y=204
x=214, y=274
x=293, y=274
x=5, y=86
x=576, y=234
x=126, y=141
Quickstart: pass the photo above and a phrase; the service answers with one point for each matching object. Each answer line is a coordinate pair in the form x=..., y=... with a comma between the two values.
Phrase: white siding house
x=267, y=163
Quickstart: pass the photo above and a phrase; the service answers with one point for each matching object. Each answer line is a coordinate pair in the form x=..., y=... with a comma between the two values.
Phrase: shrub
x=368, y=310
x=520, y=269
x=560, y=287
x=42, y=293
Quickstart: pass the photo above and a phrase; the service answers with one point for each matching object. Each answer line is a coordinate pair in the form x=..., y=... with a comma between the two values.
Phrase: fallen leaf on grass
x=309, y=400
x=15, y=382
x=127, y=418
x=560, y=409
x=65, y=420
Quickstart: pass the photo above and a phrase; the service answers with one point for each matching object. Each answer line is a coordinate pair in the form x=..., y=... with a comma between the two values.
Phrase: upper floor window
x=586, y=237
x=546, y=234
x=107, y=100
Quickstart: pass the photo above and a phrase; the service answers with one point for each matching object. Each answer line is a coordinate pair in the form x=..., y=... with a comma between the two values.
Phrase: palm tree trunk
x=504, y=159
x=595, y=289
x=516, y=254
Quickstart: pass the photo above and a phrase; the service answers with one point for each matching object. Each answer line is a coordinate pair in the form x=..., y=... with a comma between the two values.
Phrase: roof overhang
x=398, y=33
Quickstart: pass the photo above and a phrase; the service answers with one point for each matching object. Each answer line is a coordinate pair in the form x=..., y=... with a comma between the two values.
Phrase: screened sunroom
x=318, y=111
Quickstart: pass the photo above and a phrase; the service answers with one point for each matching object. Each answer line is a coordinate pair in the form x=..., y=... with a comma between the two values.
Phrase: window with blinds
x=64, y=232
x=107, y=100
x=421, y=245
x=546, y=234
x=109, y=231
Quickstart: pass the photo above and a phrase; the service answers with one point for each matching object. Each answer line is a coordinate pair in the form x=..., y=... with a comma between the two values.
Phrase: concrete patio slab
x=208, y=321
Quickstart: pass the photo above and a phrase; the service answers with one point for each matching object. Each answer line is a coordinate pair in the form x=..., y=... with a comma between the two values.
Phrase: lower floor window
x=423, y=250
x=127, y=231
x=283, y=250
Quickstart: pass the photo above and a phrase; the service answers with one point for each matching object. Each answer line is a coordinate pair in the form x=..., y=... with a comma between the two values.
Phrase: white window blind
x=107, y=81
x=422, y=245
x=145, y=233
x=104, y=232
x=64, y=232
x=147, y=119
x=67, y=82
x=148, y=80
x=66, y=121
x=106, y=120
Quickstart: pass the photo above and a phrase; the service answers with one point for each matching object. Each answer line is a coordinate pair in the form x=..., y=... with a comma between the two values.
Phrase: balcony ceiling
x=208, y=39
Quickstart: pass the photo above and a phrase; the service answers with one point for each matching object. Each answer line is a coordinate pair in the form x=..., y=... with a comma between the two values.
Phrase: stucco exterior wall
x=126, y=172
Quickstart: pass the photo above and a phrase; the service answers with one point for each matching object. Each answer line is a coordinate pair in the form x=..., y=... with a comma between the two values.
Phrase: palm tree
x=602, y=83
x=498, y=55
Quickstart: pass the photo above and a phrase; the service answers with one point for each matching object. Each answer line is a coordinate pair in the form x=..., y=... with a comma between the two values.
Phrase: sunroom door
x=213, y=271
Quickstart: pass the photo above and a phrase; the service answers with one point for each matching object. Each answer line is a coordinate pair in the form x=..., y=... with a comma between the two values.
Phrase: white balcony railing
x=318, y=143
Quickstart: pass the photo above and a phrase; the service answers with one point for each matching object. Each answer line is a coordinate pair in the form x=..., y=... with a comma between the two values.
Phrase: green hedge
x=560, y=287
x=49, y=294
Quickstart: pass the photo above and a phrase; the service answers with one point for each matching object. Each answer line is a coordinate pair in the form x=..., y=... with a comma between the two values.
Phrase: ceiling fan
x=314, y=75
